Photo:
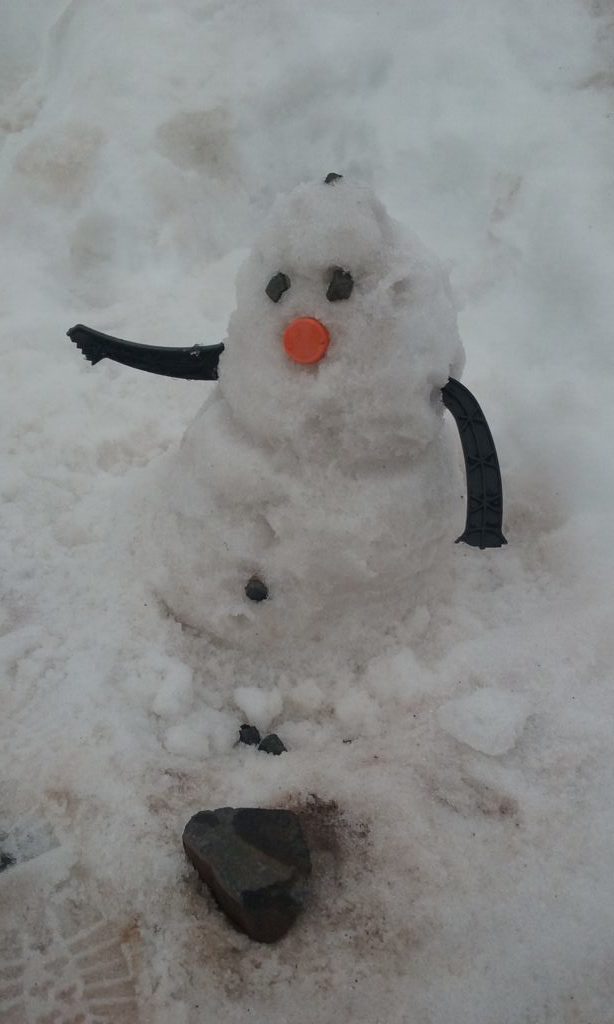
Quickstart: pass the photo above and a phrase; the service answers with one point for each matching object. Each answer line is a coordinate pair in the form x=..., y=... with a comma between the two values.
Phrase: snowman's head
x=344, y=331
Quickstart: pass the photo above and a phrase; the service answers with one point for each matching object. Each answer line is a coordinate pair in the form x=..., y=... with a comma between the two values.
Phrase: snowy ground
x=463, y=839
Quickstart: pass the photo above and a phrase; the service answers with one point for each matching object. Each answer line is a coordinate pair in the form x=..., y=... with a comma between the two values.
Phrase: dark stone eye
x=340, y=286
x=256, y=589
x=331, y=178
x=278, y=284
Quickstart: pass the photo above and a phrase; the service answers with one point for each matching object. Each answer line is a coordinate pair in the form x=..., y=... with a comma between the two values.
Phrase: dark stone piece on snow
x=6, y=860
x=340, y=286
x=331, y=178
x=272, y=744
x=256, y=863
x=256, y=589
x=249, y=734
x=278, y=284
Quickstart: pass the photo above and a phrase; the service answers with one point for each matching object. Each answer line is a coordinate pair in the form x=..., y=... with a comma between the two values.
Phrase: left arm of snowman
x=196, y=363
x=484, y=488
x=200, y=362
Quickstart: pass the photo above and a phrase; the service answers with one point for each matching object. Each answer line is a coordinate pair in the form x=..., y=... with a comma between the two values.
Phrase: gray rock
x=256, y=863
x=272, y=744
x=256, y=589
x=249, y=734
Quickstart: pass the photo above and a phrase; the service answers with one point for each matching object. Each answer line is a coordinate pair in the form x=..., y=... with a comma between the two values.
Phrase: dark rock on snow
x=276, y=287
x=341, y=285
x=249, y=734
x=256, y=589
x=6, y=860
x=256, y=863
x=272, y=744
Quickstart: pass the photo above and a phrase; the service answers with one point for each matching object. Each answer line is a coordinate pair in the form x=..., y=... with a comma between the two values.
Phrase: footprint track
x=70, y=969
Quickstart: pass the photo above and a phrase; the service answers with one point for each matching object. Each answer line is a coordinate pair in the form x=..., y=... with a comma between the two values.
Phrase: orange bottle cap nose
x=306, y=340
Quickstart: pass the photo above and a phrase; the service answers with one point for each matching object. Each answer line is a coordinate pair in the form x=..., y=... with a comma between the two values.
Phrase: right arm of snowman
x=197, y=363
x=484, y=488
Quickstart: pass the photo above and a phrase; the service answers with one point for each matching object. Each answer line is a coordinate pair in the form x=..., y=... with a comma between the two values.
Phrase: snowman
x=314, y=496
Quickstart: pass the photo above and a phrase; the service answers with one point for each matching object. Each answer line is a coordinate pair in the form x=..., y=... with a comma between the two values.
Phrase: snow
x=456, y=773
x=488, y=720
x=259, y=706
x=328, y=480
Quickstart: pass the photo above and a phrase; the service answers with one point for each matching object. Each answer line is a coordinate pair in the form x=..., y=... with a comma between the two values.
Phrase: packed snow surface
x=454, y=774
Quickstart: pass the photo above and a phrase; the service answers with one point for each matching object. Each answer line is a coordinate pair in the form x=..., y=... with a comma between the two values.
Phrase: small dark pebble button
x=250, y=735
x=256, y=590
x=331, y=178
x=278, y=284
x=271, y=744
x=341, y=285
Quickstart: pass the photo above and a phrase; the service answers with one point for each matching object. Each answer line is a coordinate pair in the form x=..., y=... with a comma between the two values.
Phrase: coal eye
x=278, y=284
x=341, y=284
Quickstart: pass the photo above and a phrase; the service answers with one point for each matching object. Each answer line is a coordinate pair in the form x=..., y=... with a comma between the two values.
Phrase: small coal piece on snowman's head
x=341, y=285
x=278, y=284
x=256, y=589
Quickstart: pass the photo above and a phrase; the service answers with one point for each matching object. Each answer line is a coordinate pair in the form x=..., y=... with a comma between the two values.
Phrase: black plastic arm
x=484, y=488
x=197, y=363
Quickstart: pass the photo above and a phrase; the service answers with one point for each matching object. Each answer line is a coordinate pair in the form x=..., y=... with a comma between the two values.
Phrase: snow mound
x=490, y=721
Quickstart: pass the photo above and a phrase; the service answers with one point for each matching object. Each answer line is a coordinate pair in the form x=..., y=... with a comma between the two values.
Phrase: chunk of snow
x=202, y=733
x=259, y=706
x=489, y=721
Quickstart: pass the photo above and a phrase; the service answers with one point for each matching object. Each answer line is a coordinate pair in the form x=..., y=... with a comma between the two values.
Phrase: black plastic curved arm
x=197, y=363
x=484, y=488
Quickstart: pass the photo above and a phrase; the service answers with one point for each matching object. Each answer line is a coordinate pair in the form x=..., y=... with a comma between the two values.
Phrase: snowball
x=260, y=707
x=392, y=342
x=489, y=721
x=398, y=677
x=207, y=732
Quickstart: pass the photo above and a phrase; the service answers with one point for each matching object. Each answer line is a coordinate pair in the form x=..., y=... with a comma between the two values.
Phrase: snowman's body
x=335, y=483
